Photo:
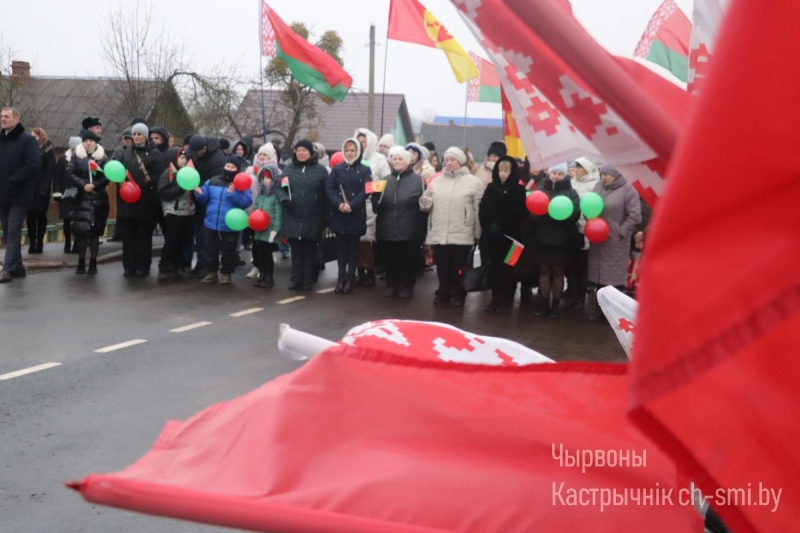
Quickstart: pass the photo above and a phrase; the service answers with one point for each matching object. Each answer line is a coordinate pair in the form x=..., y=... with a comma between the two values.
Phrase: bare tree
x=13, y=90
x=297, y=99
x=213, y=100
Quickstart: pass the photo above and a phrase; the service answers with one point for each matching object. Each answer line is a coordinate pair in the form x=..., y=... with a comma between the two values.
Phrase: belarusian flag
x=514, y=252
x=411, y=22
x=172, y=172
x=375, y=186
x=94, y=168
x=309, y=65
x=665, y=42
x=486, y=87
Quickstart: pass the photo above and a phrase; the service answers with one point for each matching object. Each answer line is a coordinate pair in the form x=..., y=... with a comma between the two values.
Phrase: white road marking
x=290, y=300
x=30, y=370
x=248, y=312
x=325, y=291
x=190, y=327
x=120, y=346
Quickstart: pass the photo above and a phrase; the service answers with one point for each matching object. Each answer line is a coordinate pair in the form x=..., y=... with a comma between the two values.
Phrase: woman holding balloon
x=608, y=256
x=174, y=190
x=553, y=233
x=137, y=201
x=225, y=218
x=586, y=177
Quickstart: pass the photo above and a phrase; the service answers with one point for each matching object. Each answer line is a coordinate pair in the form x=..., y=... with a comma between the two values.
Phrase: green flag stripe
x=308, y=75
x=489, y=94
x=670, y=60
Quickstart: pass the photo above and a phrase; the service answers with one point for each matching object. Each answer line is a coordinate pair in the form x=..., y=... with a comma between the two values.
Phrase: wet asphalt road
x=99, y=412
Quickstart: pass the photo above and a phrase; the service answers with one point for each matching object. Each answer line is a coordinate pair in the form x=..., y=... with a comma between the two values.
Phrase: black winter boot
x=361, y=277
x=340, y=285
x=92, y=266
x=348, y=284
x=555, y=310
x=369, y=280
x=67, y=246
x=542, y=307
x=81, y=266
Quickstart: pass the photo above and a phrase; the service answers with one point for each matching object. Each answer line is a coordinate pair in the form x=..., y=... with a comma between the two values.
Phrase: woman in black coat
x=37, y=214
x=501, y=214
x=61, y=184
x=90, y=209
x=346, y=192
x=144, y=163
x=554, y=242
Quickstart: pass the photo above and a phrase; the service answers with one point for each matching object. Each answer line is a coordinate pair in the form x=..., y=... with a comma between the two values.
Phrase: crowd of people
x=393, y=211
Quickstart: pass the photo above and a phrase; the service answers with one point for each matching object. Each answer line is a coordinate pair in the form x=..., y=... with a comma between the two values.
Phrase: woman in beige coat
x=452, y=199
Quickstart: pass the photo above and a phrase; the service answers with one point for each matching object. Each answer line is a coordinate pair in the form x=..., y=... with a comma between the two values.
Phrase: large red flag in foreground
x=715, y=364
x=366, y=440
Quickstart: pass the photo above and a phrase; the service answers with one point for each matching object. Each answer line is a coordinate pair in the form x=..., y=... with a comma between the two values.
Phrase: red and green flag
x=172, y=172
x=94, y=168
x=309, y=65
x=486, y=86
x=514, y=252
x=665, y=42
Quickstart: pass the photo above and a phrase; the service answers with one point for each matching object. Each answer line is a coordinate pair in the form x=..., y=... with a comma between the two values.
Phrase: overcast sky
x=59, y=39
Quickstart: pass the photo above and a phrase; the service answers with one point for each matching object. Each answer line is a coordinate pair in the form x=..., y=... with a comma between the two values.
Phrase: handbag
x=327, y=246
x=475, y=279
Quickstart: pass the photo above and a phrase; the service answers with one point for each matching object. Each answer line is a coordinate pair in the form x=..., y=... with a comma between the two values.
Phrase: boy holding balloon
x=225, y=218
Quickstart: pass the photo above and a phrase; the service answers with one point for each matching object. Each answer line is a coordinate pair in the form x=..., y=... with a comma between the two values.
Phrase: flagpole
x=261, y=70
x=383, y=92
x=466, y=103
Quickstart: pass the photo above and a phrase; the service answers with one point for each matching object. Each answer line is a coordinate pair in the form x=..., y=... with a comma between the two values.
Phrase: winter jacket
x=247, y=158
x=254, y=170
x=350, y=177
x=303, y=219
x=89, y=205
x=269, y=202
x=218, y=201
x=163, y=147
x=544, y=230
x=209, y=165
x=44, y=178
x=379, y=169
x=174, y=200
x=585, y=185
x=20, y=162
x=62, y=183
x=145, y=208
x=484, y=172
x=608, y=260
x=399, y=215
x=453, y=200
x=502, y=212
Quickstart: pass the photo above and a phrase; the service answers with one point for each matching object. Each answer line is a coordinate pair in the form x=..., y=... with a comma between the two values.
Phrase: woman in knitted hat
x=37, y=214
x=303, y=202
x=608, y=260
x=61, y=184
x=90, y=211
x=554, y=242
x=453, y=200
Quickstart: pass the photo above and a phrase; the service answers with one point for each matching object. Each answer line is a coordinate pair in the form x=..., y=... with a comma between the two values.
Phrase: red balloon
x=242, y=181
x=596, y=230
x=537, y=203
x=259, y=220
x=337, y=158
x=130, y=192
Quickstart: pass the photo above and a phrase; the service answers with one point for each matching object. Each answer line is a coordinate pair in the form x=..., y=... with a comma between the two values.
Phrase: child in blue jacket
x=219, y=195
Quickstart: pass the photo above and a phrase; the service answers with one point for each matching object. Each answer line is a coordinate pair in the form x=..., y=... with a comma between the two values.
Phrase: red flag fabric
x=559, y=117
x=715, y=368
x=362, y=440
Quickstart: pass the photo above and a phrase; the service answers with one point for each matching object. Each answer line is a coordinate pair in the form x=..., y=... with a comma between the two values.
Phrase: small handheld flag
x=375, y=186
x=514, y=252
x=344, y=195
x=285, y=185
x=94, y=168
x=172, y=172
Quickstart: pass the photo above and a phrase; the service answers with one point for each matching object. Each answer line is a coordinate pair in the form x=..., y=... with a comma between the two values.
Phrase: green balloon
x=114, y=171
x=592, y=205
x=236, y=219
x=365, y=163
x=188, y=178
x=560, y=208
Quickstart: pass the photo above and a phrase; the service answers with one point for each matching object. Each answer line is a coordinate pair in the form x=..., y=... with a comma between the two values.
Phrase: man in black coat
x=19, y=165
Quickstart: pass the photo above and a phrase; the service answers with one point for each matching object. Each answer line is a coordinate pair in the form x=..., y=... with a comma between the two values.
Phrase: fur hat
x=137, y=120
x=140, y=128
x=457, y=153
x=90, y=122
x=561, y=168
x=497, y=148
x=304, y=143
x=387, y=140
x=610, y=170
x=402, y=152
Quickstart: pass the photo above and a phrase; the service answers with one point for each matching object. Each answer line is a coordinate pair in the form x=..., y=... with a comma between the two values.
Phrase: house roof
x=478, y=138
x=471, y=121
x=334, y=122
x=60, y=104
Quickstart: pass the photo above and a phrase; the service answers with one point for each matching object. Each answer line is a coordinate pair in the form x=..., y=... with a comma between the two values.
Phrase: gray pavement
x=99, y=412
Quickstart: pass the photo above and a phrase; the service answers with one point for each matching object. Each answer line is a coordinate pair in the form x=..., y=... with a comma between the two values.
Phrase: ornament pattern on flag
x=268, y=48
x=432, y=341
x=475, y=83
x=664, y=12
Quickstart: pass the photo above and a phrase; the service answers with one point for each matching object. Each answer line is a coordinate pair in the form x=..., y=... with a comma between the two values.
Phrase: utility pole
x=371, y=105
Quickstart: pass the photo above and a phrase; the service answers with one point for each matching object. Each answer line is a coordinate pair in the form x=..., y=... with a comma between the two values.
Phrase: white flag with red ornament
x=267, y=33
x=559, y=119
x=620, y=310
x=707, y=18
